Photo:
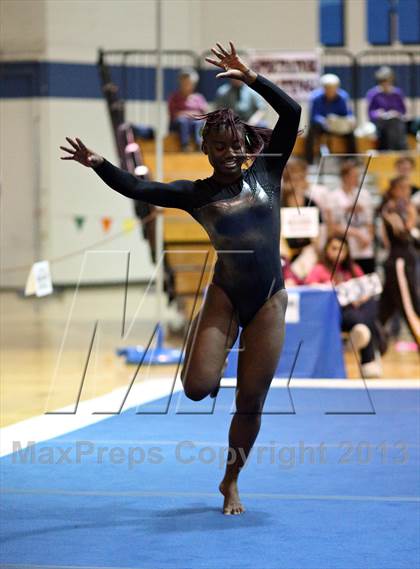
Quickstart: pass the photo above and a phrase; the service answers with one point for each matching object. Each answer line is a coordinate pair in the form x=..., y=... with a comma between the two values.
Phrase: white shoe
x=360, y=336
x=371, y=370
x=175, y=320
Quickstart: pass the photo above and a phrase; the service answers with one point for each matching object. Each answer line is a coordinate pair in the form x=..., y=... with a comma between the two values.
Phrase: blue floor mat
x=330, y=491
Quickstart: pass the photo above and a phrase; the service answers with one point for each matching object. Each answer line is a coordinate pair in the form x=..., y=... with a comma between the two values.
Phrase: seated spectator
x=143, y=131
x=291, y=276
x=406, y=166
x=359, y=318
x=302, y=251
x=182, y=104
x=347, y=205
x=296, y=174
x=246, y=103
x=413, y=127
x=329, y=112
x=386, y=109
x=415, y=200
x=400, y=291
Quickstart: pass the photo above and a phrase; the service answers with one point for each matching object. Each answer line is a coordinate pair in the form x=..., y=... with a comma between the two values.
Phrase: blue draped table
x=313, y=321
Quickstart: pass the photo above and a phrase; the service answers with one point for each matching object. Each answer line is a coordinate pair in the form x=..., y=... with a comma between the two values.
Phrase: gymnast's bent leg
x=212, y=333
x=261, y=343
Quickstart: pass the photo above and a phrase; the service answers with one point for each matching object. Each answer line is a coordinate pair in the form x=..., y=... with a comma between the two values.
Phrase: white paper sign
x=359, y=288
x=293, y=308
x=39, y=280
x=299, y=222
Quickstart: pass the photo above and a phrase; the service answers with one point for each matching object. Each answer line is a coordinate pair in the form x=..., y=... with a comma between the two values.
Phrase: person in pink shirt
x=328, y=270
x=359, y=318
x=182, y=104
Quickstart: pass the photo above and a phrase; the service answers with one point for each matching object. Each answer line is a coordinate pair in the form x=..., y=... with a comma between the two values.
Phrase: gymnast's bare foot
x=232, y=504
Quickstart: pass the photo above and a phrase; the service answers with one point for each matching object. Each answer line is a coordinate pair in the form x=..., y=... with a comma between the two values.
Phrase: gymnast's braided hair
x=255, y=137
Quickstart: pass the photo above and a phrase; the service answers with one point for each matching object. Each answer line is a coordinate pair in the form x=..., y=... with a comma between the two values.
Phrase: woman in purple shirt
x=386, y=109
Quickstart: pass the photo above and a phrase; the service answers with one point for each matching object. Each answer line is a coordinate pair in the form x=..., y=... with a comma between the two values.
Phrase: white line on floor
x=44, y=427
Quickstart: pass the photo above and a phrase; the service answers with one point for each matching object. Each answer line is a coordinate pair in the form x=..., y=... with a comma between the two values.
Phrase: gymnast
x=240, y=210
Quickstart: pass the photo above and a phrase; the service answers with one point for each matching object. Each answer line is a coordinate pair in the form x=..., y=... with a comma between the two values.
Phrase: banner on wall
x=296, y=72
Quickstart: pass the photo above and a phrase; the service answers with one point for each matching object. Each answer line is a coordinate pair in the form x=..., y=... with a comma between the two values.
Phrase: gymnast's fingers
x=69, y=140
x=222, y=49
x=217, y=53
x=69, y=150
x=66, y=158
x=214, y=62
x=232, y=47
x=82, y=146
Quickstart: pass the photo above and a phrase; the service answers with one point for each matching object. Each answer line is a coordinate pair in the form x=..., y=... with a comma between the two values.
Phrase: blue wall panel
x=378, y=21
x=331, y=22
x=409, y=21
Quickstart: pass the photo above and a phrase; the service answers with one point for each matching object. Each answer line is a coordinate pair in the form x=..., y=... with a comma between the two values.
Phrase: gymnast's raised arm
x=285, y=131
x=176, y=194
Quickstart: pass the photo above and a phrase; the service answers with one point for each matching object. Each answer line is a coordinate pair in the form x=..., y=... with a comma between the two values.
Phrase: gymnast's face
x=225, y=152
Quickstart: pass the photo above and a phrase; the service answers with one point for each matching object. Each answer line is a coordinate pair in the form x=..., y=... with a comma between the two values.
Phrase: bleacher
x=187, y=245
x=189, y=251
x=129, y=75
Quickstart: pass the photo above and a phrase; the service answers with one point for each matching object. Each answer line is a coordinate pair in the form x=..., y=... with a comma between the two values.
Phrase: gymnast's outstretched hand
x=81, y=154
x=234, y=67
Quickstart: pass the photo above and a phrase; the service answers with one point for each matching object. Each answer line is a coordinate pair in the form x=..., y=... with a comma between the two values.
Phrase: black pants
x=400, y=291
x=392, y=134
x=366, y=314
x=367, y=265
x=314, y=133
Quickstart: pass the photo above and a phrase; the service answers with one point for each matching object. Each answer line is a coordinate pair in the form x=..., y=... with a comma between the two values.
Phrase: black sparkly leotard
x=242, y=219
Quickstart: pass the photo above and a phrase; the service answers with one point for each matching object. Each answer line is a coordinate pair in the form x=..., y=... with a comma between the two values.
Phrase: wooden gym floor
x=31, y=335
